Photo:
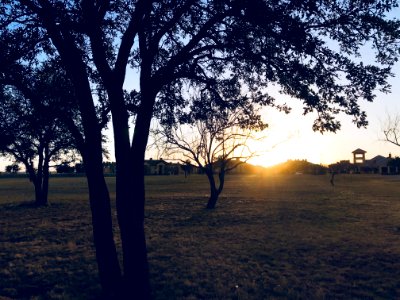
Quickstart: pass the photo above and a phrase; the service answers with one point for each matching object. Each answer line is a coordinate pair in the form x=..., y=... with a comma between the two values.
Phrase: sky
x=291, y=136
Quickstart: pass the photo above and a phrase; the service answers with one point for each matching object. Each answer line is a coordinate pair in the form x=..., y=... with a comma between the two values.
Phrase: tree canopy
x=310, y=49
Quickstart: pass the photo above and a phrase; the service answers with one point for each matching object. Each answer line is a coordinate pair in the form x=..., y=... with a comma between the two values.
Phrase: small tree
x=216, y=140
x=14, y=168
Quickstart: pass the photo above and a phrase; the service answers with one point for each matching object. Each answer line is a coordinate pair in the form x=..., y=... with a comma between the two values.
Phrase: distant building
x=156, y=167
x=377, y=165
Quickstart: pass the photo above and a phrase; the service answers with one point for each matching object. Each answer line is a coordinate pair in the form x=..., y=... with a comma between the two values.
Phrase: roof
x=154, y=162
x=359, y=151
x=377, y=161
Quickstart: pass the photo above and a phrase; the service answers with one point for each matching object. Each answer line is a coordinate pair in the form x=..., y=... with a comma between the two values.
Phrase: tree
x=14, y=168
x=64, y=168
x=308, y=48
x=31, y=134
x=216, y=140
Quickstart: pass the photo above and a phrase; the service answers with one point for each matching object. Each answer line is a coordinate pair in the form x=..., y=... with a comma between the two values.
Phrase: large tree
x=310, y=49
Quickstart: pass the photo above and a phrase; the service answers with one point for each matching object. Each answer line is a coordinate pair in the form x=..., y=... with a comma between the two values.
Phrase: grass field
x=270, y=237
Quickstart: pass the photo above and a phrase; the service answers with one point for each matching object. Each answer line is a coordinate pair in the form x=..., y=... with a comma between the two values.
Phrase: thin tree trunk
x=212, y=201
x=106, y=253
x=214, y=193
x=221, y=177
x=39, y=179
x=91, y=150
x=45, y=185
x=38, y=192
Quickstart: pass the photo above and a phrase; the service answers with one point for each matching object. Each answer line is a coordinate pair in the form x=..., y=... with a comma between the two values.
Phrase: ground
x=270, y=237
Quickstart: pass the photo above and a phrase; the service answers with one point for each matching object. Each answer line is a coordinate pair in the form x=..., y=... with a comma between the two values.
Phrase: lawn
x=270, y=237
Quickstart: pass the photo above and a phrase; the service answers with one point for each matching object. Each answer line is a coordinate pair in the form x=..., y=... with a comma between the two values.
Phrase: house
x=377, y=165
x=156, y=167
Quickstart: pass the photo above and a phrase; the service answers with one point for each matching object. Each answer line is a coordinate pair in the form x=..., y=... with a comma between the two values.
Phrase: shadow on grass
x=46, y=252
x=287, y=239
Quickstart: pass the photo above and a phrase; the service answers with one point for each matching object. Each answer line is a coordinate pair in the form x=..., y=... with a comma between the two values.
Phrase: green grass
x=274, y=237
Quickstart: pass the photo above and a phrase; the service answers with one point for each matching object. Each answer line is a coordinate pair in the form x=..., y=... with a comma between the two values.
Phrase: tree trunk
x=42, y=179
x=131, y=223
x=131, y=202
x=39, y=192
x=106, y=254
x=38, y=182
x=91, y=150
x=214, y=192
x=45, y=184
x=212, y=201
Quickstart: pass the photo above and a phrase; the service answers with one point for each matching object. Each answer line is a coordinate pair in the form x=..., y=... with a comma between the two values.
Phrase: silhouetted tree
x=216, y=140
x=308, y=48
x=14, y=168
x=30, y=133
x=64, y=168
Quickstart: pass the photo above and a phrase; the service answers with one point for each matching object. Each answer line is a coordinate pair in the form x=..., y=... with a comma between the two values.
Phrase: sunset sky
x=291, y=136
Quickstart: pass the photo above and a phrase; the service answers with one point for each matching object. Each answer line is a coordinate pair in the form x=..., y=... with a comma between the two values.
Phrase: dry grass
x=272, y=237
